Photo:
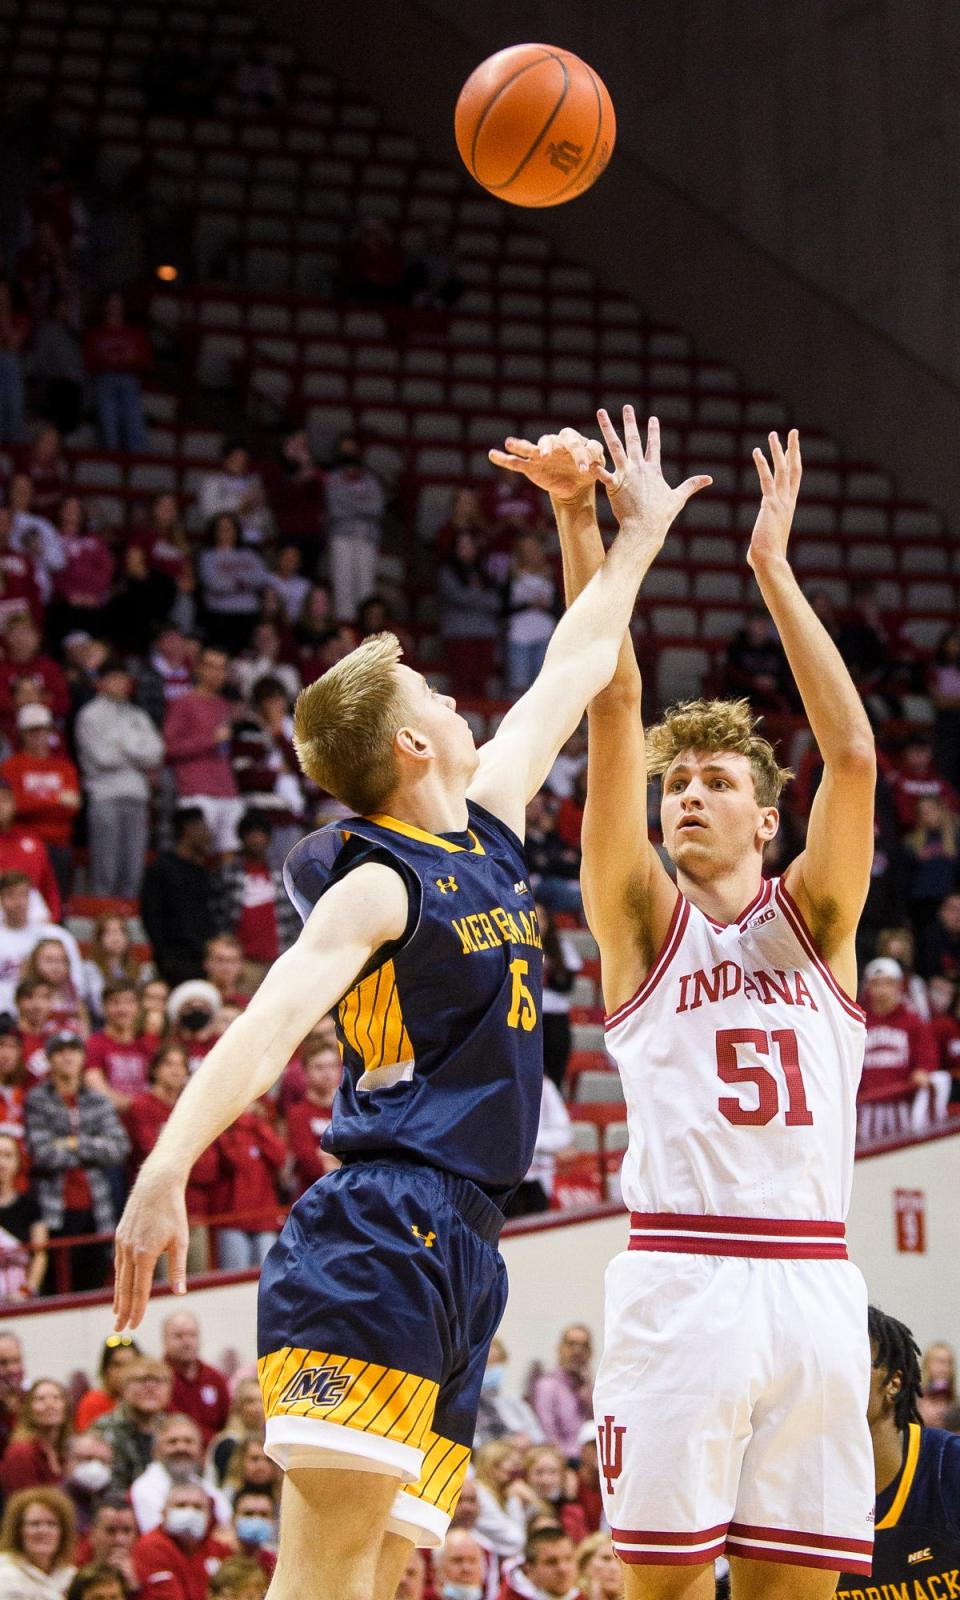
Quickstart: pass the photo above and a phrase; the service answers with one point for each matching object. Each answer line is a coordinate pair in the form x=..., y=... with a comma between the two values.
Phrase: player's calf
x=669, y=1583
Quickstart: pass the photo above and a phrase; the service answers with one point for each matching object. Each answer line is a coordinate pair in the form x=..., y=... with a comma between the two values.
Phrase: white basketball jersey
x=740, y=1057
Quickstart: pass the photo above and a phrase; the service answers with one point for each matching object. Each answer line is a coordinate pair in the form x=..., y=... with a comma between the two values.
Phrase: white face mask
x=462, y=1591
x=187, y=1521
x=92, y=1475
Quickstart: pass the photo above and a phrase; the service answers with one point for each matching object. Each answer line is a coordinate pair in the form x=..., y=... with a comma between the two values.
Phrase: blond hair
x=717, y=725
x=344, y=725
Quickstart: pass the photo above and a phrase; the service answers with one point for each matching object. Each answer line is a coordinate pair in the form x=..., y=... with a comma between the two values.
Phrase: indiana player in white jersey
x=731, y=1396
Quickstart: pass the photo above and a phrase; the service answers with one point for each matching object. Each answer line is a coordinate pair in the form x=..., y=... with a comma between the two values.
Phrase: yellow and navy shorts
x=377, y=1307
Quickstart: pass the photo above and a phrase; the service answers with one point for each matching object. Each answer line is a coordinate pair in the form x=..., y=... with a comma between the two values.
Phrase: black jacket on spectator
x=177, y=907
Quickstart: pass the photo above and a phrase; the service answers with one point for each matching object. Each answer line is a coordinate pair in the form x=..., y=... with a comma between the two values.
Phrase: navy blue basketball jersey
x=441, y=1035
x=916, y=1554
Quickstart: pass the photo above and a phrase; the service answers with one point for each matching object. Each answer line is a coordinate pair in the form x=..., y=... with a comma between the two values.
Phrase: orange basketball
x=535, y=125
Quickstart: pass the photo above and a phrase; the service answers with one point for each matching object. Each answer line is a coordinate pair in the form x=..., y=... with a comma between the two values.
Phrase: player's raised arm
x=582, y=655
x=352, y=920
x=831, y=877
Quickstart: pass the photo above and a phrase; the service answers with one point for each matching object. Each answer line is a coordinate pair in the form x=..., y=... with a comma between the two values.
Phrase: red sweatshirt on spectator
x=45, y=672
x=909, y=788
x=18, y=588
x=306, y=1125
x=204, y=1397
x=22, y=852
x=251, y=1154
x=124, y=349
x=200, y=763
x=123, y=1065
x=26, y=1465
x=898, y=1045
x=88, y=572
x=947, y=1032
x=166, y=1570
x=143, y=1120
x=40, y=785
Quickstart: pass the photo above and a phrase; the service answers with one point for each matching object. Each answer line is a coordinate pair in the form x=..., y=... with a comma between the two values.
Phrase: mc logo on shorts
x=323, y=1386
x=611, y=1451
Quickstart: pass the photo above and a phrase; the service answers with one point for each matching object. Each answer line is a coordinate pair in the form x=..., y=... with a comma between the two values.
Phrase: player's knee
x=668, y=1583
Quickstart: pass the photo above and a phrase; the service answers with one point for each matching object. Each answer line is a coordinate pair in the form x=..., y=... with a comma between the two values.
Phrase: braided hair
x=897, y=1351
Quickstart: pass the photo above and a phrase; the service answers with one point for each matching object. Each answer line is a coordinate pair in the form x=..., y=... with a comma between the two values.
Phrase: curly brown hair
x=717, y=725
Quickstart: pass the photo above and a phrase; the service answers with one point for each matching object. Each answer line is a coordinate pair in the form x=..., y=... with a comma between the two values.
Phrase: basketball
x=535, y=125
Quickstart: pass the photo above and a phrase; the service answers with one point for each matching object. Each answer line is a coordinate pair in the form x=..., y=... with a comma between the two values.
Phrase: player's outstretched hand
x=154, y=1223
x=636, y=487
x=780, y=487
x=565, y=464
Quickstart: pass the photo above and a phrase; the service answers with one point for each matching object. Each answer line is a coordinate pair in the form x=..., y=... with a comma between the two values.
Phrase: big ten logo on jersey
x=610, y=1442
x=488, y=930
x=322, y=1386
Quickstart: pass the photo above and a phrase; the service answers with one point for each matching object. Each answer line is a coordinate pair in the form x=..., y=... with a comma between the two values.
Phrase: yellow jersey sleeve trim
x=906, y=1482
x=410, y=832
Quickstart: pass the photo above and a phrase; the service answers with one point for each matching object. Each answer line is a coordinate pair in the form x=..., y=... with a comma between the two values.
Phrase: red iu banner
x=910, y=1210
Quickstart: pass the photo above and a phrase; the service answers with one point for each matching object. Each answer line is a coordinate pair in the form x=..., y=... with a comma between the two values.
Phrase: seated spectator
x=12, y=1384
x=36, y=1454
x=182, y=1549
x=899, y=944
x=75, y=1140
x=531, y=611
x=945, y=1021
x=548, y=1475
x=232, y=579
x=55, y=961
x=23, y=1232
x=22, y=852
x=19, y=939
x=589, y=1496
x=503, y=1497
x=36, y=1545
x=355, y=506
x=111, y=1537
x=118, y=1057
x=900, y=1060
x=256, y=908
x=197, y=734
x=46, y=789
x=308, y=1119
x=262, y=659
x=471, y=608
x=500, y=1413
x=239, y=1578
x=118, y=354
x=943, y=684
x=562, y=1398
x=35, y=538
x=199, y=1390
x=24, y=658
x=914, y=778
x=166, y=673
x=132, y=1424
x=164, y=541
x=413, y=1579
x=460, y=1565
x=193, y=1012
x=554, y=1135
x=234, y=490
x=932, y=850
x=245, y=1421
x=249, y=1465
x=98, y=1581
x=154, y=997
x=939, y=944
x=554, y=863
x=313, y=626
x=87, y=1476
x=84, y=582
x=177, y=1458
x=110, y=960
x=21, y=592
x=599, y=1569
x=119, y=1352
x=255, y=1527
x=287, y=581
x=118, y=748
x=549, y=1570
x=756, y=665
x=266, y=766
x=176, y=898
x=252, y=1155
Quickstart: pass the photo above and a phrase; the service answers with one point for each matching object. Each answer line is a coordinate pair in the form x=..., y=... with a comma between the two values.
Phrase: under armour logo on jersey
x=322, y=1386
x=429, y=1239
x=446, y=885
x=610, y=1437
x=520, y=888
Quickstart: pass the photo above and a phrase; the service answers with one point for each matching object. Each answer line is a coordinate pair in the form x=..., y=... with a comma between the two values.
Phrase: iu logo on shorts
x=611, y=1451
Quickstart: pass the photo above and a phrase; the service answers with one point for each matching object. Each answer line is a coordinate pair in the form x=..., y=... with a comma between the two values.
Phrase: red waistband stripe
x=785, y=1239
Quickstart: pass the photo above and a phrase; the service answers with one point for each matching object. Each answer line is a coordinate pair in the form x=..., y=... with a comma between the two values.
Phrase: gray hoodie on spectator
x=116, y=745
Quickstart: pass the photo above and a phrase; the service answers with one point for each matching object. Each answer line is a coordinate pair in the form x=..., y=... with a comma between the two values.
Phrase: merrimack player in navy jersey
x=916, y=1552
x=380, y=1299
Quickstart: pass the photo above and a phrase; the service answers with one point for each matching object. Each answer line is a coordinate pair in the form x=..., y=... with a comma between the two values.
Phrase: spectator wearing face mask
x=174, y=1562
x=89, y=1472
x=177, y=1458
x=501, y=1413
x=255, y=1527
x=192, y=1011
x=460, y=1568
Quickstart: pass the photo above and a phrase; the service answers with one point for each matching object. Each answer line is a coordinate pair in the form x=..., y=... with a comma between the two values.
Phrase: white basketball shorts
x=731, y=1403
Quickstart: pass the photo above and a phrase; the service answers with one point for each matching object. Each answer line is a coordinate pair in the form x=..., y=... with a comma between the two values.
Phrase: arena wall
x=556, y=1275
x=668, y=233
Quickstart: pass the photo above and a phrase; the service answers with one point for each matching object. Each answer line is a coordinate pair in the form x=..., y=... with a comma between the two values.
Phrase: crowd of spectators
x=152, y=1479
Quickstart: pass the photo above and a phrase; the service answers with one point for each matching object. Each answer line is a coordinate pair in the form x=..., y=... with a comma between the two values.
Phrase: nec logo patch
x=919, y=1555
x=322, y=1386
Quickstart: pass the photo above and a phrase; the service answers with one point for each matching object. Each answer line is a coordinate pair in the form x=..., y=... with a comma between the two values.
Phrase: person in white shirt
x=177, y=1458
x=19, y=937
